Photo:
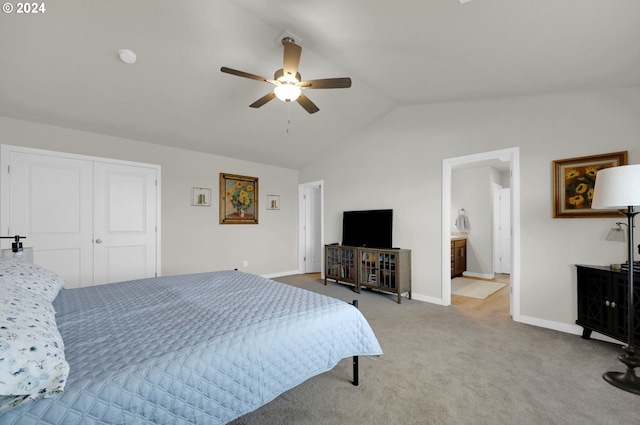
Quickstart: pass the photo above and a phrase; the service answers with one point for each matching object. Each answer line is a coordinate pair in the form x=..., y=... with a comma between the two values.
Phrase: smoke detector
x=127, y=56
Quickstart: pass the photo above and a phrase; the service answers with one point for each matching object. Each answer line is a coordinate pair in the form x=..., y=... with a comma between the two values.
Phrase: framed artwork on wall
x=573, y=183
x=238, y=199
x=273, y=202
x=201, y=197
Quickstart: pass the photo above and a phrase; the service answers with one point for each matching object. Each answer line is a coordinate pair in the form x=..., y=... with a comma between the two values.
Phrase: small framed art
x=201, y=197
x=273, y=202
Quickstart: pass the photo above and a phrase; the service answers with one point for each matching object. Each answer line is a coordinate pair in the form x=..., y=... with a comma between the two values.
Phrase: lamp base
x=628, y=380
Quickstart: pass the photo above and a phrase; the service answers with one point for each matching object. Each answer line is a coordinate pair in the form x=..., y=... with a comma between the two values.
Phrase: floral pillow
x=32, y=277
x=32, y=362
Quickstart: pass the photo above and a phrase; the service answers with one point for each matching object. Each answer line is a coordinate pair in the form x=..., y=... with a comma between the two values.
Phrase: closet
x=92, y=220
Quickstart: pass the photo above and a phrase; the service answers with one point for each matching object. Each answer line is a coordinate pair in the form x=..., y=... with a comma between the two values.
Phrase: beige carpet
x=442, y=367
x=479, y=289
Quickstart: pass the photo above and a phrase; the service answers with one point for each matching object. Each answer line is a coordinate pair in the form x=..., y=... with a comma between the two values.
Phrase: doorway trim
x=302, y=224
x=513, y=156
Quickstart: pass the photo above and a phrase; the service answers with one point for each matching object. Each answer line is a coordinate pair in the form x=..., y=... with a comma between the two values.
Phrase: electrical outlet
x=245, y=263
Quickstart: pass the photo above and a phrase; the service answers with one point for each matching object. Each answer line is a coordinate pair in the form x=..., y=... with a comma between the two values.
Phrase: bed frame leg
x=355, y=371
x=356, y=380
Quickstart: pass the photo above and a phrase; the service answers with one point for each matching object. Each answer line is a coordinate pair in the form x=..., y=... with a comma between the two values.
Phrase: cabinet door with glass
x=387, y=270
x=339, y=263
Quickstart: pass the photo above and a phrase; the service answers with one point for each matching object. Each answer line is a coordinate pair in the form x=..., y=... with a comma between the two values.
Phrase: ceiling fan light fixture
x=287, y=92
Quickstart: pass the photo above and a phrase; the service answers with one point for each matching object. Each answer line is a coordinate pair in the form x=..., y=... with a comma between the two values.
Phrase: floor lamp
x=619, y=188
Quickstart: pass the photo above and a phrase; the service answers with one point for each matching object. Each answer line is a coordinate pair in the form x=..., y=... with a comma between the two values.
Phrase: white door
x=504, y=232
x=125, y=222
x=313, y=243
x=50, y=202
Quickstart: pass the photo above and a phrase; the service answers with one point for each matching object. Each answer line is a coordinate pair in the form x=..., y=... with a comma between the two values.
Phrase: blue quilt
x=193, y=349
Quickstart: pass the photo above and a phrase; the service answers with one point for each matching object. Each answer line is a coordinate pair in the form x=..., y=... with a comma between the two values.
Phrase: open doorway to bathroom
x=473, y=185
x=480, y=194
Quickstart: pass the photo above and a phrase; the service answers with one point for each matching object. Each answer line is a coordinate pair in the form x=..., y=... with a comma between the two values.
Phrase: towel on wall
x=462, y=222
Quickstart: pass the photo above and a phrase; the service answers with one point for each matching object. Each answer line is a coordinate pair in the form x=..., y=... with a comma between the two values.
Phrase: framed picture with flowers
x=573, y=183
x=238, y=199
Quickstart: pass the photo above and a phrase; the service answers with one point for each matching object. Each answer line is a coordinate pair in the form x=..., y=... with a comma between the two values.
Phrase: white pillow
x=32, y=277
x=32, y=362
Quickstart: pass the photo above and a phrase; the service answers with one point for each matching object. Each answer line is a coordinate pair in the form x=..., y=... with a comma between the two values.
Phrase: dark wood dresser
x=603, y=302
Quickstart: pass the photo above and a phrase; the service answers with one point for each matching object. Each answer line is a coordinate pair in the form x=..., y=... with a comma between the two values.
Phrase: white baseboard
x=427, y=299
x=549, y=324
x=280, y=274
x=534, y=321
x=479, y=275
x=564, y=327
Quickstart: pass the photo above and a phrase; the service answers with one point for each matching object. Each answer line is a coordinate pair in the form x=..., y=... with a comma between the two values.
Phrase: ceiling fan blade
x=327, y=83
x=245, y=75
x=264, y=99
x=307, y=104
x=291, y=61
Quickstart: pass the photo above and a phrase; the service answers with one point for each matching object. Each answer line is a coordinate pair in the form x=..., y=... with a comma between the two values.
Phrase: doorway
x=310, y=227
x=511, y=156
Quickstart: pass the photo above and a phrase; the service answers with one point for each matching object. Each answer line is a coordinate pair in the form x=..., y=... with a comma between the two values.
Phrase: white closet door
x=50, y=200
x=125, y=222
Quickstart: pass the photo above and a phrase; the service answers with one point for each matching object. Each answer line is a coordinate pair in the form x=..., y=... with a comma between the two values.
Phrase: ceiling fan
x=287, y=81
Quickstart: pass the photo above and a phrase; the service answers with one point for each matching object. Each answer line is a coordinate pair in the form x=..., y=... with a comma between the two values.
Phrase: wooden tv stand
x=386, y=270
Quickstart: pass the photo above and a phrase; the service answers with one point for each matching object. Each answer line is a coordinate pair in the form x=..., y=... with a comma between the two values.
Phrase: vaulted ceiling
x=61, y=66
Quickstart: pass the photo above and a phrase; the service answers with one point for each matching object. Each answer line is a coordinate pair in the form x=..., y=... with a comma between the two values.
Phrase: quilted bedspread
x=193, y=349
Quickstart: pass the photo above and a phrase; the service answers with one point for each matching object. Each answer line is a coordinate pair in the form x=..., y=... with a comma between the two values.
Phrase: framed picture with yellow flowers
x=238, y=199
x=573, y=183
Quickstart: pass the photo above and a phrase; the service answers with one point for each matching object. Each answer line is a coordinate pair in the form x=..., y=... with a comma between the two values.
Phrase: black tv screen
x=371, y=228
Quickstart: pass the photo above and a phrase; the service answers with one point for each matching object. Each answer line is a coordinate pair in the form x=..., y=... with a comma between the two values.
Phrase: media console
x=386, y=270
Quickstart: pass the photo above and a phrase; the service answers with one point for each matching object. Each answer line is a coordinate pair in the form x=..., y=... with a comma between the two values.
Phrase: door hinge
x=8, y=169
x=304, y=258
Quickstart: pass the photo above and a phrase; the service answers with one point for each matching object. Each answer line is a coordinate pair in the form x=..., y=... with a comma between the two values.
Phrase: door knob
x=98, y=240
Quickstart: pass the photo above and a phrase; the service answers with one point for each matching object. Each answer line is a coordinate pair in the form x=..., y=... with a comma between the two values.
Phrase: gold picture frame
x=573, y=183
x=238, y=199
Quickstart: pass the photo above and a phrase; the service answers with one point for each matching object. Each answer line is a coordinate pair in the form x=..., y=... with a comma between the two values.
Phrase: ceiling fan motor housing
x=279, y=76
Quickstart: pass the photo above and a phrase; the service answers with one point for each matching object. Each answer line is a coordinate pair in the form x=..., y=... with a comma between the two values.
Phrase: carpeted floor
x=443, y=367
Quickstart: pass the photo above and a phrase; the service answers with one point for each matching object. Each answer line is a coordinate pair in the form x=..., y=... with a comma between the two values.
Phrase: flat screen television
x=371, y=228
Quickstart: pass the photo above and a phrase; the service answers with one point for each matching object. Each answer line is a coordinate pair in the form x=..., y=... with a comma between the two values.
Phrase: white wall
x=192, y=238
x=396, y=163
x=472, y=190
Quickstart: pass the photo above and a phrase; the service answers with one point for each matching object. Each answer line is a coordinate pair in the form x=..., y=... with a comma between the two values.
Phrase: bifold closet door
x=125, y=222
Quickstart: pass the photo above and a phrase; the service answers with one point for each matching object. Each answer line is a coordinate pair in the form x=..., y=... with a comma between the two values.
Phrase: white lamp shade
x=287, y=92
x=617, y=187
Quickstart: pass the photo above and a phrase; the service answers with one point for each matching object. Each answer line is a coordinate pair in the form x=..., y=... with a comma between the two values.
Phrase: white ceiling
x=61, y=67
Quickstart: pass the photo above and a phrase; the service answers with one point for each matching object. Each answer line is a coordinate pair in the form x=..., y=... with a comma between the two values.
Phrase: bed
x=189, y=349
